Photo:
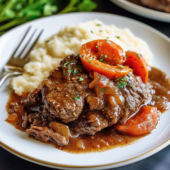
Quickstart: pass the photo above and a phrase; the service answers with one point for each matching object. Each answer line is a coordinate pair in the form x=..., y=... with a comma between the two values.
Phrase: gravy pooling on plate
x=81, y=110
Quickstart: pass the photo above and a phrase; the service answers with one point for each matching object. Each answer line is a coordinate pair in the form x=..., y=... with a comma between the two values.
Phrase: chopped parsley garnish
x=75, y=71
x=107, y=37
x=16, y=123
x=108, y=42
x=69, y=71
x=128, y=75
x=69, y=66
x=100, y=30
x=80, y=67
x=91, y=31
x=87, y=93
x=97, y=46
x=138, y=55
x=47, y=41
x=101, y=58
x=107, y=105
x=98, y=24
x=67, y=63
x=120, y=66
x=78, y=55
x=157, y=97
x=81, y=56
x=81, y=79
x=116, y=79
x=121, y=84
x=105, y=56
x=103, y=89
x=125, y=55
x=57, y=82
x=124, y=79
x=65, y=74
x=76, y=98
x=117, y=37
x=76, y=92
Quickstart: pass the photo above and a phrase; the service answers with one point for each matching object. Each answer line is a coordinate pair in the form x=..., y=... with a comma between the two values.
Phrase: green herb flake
x=105, y=56
x=57, y=82
x=107, y=105
x=16, y=123
x=131, y=85
x=98, y=24
x=91, y=31
x=81, y=79
x=47, y=41
x=67, y=63
x=97, y=46
x=101, y=58
x=104, y=89
x=65, y=74
x=76, y=92
x=107, y=38
x=75, y=71
x=80, y=67
x=128, y=75
x=121, y=84
x=108, y=42
x=87, y=93
x=157, y=97
x=125, y=55
x=117, y=37
x=116, y=79
x=120, y=66
x=138, y=55
x=69, y=71
x=78, y=55
x=76, y=98
x=81, y=56
x=100, y=30
x=124, y=79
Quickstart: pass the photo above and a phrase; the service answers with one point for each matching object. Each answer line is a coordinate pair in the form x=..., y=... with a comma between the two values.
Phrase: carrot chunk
x=142, y=123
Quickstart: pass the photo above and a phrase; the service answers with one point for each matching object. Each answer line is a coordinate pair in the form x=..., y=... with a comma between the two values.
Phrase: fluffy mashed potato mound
x=48, y=53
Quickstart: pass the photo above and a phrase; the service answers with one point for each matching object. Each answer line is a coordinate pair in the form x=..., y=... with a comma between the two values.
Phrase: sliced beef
x=64, y=91
x=163, y=5
x=102, y=114
x=46, y=134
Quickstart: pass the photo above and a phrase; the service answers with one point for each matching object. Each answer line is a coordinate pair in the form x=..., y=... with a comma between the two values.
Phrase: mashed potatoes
x=48, y=54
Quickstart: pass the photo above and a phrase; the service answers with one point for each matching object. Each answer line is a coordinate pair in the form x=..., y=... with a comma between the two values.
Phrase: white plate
x=18, y=143
x=142, y=11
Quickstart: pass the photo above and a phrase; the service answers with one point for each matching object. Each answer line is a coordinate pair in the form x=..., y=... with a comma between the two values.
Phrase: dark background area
x=159, y=161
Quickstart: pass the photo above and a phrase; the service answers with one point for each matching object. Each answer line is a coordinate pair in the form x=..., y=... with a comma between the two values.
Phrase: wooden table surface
x=158, y=161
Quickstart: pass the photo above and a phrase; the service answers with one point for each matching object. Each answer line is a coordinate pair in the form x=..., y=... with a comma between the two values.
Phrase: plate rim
x=148, y=10
x=127, y=161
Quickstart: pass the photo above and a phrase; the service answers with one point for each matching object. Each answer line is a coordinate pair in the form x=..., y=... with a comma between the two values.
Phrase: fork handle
x=7, y=74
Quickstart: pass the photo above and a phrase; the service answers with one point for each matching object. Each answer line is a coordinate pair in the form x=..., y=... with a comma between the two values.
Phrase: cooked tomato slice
x=104, y=57
x=137, y=63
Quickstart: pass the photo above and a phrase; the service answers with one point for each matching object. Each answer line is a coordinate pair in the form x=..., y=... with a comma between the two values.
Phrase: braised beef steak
x=65, y=96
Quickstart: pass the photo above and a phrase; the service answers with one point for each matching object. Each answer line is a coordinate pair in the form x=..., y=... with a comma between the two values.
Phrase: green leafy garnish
x=16, y=12
x=124, y=78
x=75, y=71
x=138, y=55
x=157, y=97
x=121, y=84
x=57, y=82
x=116, y=79
x=97, y=46
x=104, y=89
x=16, y=123
x=76, y=98
x=107, y=37
x=76, y=92
x=98, y=24
x=128, y=75
x=117, y=37
x=69, y=71
x=81, y=56
x=107, y=105
x=91, y=31
x=65, y=74
x=66, y=63
x=81, y=79
x=47, y=41
x=120, y=66
x=100, y=30
x=125, y=55
x=101, y=58
x=80, y=67
x=105, y=56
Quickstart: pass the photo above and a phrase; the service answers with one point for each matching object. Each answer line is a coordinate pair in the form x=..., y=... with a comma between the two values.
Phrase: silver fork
x=14, y=66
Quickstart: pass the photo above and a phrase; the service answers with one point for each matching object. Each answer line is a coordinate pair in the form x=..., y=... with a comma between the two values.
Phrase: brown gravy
x=109, y=138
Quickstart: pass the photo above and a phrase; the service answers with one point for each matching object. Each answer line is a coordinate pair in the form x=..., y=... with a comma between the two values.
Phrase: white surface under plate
x=18, y=143
x=143, y=11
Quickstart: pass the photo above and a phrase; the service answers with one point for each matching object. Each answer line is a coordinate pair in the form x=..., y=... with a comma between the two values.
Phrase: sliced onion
x=112, y=101
x=12, y=118
x=60, y=128
x=98, y=90
x=80, y=144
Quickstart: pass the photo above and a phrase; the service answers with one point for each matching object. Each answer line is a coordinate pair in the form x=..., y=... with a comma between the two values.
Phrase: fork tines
x=27, y=43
